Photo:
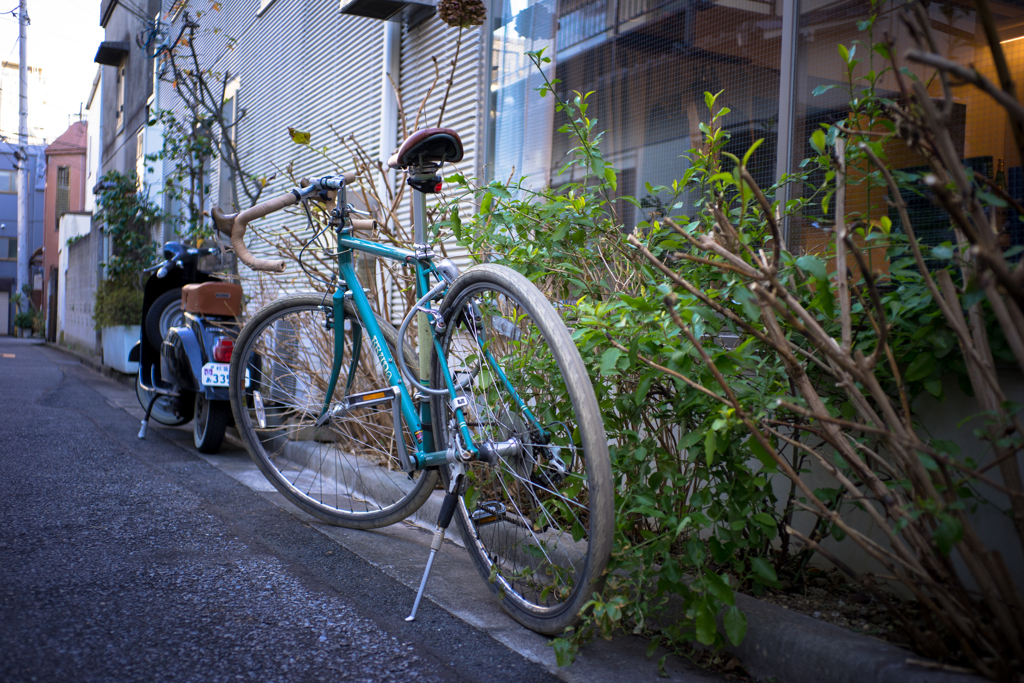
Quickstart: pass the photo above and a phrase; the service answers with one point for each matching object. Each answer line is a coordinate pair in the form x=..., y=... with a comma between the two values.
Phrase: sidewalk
x=780, y=645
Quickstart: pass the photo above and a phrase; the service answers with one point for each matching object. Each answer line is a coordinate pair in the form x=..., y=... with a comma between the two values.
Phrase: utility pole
x=22, y=155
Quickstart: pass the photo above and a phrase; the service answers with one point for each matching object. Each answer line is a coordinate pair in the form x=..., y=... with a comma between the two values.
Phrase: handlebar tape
x=234, y=226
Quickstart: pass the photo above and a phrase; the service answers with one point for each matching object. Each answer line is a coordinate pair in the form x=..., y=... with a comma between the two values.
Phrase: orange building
x=65, y=193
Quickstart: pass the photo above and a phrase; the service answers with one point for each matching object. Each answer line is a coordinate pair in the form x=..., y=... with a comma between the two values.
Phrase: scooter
x=189, y=326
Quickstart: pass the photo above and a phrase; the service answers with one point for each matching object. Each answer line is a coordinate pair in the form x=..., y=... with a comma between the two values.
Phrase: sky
x=62, y=40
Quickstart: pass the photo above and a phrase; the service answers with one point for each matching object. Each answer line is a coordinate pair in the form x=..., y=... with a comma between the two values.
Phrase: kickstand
x=145, y=420
x=451, y=499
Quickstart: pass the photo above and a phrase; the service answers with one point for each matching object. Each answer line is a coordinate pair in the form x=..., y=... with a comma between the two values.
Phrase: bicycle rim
x=538, y=520
x=344, y=470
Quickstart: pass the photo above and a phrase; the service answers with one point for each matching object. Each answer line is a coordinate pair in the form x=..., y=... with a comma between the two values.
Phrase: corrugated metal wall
x=463, y=112
x=303, y=65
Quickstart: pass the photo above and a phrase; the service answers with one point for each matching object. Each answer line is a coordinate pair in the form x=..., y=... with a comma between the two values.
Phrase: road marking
x=8, y=355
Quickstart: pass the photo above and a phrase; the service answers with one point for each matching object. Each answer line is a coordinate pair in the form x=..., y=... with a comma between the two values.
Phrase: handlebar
x=234, y=225
x=176, y=262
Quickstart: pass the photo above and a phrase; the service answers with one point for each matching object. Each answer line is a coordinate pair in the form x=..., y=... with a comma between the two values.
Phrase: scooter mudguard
x=216, y=393
x=181, y=359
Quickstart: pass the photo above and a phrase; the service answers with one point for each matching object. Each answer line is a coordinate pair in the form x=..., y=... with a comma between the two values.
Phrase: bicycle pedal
x=371, y=398
x=487, y=513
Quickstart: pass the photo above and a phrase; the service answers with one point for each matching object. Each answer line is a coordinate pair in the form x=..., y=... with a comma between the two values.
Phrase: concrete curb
x=780, y=645
x=788, y=646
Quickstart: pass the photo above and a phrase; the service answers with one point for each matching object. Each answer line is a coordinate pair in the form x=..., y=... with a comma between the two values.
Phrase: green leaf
x=644, y=387
x=764, y=571
x=609, y=176
x=822, y=89
x=750, y=152
x=719, y=588
x=764, y=519
x=818, y=141
x=608, y=360
x=456, y=224
x=735, y=625
x=934, y=387
x=299, y=137
x=761, y=454
x=710, y=444
x=812, y=264
x=920, y=367
x=565, y=651
x=948, y=534
x=706, y=628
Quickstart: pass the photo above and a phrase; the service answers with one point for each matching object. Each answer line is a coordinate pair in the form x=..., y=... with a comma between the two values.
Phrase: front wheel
x=341, y=467
x=164, y=314
x=537, y=516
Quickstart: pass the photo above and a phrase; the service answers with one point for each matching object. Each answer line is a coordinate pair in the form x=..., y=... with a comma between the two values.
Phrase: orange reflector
x=374, y=397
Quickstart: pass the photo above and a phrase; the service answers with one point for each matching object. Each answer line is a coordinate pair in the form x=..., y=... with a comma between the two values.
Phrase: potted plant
x=117, y=313
x=127, y=215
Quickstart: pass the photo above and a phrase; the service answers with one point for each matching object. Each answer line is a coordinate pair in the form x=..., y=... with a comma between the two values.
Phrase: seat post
x=419, y=217
x=423, y=337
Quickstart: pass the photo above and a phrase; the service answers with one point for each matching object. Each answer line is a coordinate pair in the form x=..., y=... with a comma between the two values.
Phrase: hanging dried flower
x=461, y=13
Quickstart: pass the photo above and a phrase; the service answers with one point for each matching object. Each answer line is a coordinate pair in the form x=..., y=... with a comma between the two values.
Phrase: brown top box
x=212, y=298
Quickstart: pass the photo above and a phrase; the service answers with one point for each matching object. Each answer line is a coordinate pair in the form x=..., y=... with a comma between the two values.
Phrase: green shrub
x=695, y=515
x=24, y=320
x=117, y=304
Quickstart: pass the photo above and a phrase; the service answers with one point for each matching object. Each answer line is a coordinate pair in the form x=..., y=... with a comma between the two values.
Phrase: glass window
x=8, y=181
x=981, y=131
x=120, y=95
x=63, y=193
x=649, y=63
x=8, y=248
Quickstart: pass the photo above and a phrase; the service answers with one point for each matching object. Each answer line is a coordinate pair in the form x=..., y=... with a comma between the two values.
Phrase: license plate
x=216, y=374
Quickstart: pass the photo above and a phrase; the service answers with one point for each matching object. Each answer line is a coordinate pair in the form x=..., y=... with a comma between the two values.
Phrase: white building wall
x=72, y=226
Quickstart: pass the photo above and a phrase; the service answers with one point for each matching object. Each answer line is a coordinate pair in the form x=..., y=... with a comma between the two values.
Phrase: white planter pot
x=117, y=344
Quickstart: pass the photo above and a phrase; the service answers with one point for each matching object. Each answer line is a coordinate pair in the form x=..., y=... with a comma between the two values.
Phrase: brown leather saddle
x=428, y=146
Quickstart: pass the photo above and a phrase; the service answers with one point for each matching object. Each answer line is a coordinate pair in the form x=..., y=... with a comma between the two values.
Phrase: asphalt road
x=128, y=560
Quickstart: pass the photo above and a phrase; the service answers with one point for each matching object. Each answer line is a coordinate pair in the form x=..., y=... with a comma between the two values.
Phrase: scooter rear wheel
x=211, y=419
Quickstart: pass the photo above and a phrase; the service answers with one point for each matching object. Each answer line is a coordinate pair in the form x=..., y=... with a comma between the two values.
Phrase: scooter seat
x=212, y=298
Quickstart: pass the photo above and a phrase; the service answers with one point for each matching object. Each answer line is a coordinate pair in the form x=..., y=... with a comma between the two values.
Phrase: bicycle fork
x=451, y=499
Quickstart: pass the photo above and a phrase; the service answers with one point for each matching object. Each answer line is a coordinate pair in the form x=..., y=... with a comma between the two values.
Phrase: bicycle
x=496, y=405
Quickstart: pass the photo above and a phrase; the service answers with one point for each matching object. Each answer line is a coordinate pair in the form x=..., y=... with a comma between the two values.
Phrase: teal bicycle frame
x=349, y=287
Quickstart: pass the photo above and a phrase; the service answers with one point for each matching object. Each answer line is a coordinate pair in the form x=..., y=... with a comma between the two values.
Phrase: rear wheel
x=538, y=516
x=344, y=471
x=211, y=419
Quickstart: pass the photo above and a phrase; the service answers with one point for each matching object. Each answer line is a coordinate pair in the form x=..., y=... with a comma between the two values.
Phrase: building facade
x=9, y=228
x=300, y=64
x=66, y=190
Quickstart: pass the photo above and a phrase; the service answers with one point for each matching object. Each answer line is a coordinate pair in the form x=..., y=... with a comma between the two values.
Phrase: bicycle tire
x=539, y=533
x=346, y=472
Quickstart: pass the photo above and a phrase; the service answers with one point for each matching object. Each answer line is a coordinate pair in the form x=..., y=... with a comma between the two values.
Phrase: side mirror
x=173, y=250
